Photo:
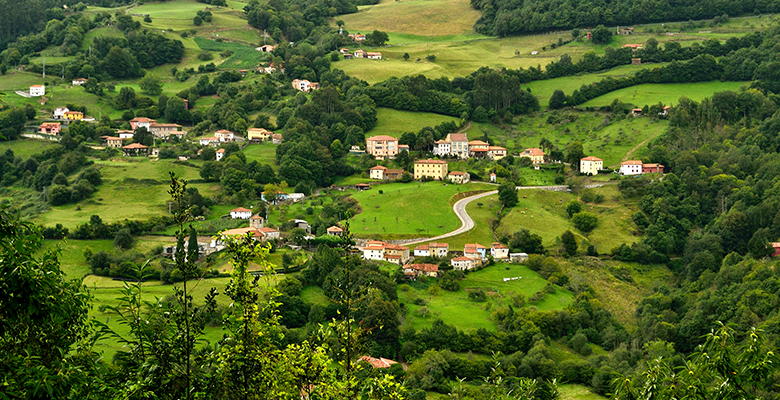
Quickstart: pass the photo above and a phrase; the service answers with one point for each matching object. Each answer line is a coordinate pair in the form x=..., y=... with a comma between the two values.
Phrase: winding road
x=467, y=223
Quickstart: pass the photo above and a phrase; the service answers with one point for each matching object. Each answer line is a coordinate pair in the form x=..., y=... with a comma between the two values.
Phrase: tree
x=143, y=136
x=601, y=35
x=124, y=239
x=569, y=243
x=574, y=153
x=119, y=63
x=377, y=38
x=759, y=245
x=176, y=111
x=150, y=85
x=584, y=221
x=573, y=207
x=558, y=99
x=125, y=99
x=193, y=249
x=507, y=195
x=406, y=56
x=527, y=242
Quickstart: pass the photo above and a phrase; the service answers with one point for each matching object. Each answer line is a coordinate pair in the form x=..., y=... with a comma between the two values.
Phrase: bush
x=584, y=221
x=477, y=296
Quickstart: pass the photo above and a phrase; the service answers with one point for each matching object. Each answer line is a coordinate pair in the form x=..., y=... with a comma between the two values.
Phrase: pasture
x=419, y=17
x=263, y=153
x=396, y=122
x=664, y=93
x=25, y=148
x=408, y=210
x=426, y=303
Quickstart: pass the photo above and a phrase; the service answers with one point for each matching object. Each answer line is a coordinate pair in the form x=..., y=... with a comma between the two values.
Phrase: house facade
x=499, y=251
x=50, y=128
x=464, y=263
x=78, y=81
x=277, y=138
x=382, y=146
x=433, y=169
x=417, y=270
x=240, y=213
x=535, y=154
x=136, y=149
x=59, y=112
x=113, y=142
x=631, y=167
x=475, y=250
x=439, y=250
x=141, y=122
x=225, y=135
x=73, y=116
x=652, y=168
x=458, y=177
x=334, y=231
x=258, y=134
x=125, y=134
x=165, y=130
x=374, y=55
x=591, y=165
x=37, y=90
x=208, y=141
x=496, y=153
x=377, y=172
x=441, y=148
x=303, y=85
x=219, y=154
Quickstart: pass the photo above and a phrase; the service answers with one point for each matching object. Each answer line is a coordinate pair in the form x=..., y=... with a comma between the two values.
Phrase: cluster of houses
x=458, y=145
x=159, y=130
x=303, y=85
x=423, y=170
x=360, y=53
x=473, y=256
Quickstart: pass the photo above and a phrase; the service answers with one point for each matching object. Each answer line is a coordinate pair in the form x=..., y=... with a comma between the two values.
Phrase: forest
x=505, y=17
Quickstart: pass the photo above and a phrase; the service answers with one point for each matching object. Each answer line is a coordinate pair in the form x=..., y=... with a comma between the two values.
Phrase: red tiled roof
x=421, y=247
x=478, y=143
x=135, y=146
x=256, y=217
x=221, y=151
x=591, y=158
x=423, y=267
x=474, y=246
x=142, y=119
x=457, y=173
x=462, y=259
x=49, y=124
x=631, y=162
x=497, y=245
x=445, y=245
x=479, y=149
x=430, y=162
x=495, y=148
x=334, y=229
x=378, y=362
x=240, y=209
x=268, y=230
x=458, y=137
x=381, y=138
x=533, y=151
x=378, y=167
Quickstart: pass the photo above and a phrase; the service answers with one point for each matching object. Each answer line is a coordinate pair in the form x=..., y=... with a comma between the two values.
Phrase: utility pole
x=44, y=68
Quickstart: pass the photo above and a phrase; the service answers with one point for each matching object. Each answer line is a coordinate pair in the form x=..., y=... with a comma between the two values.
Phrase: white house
x=374, y=55
x=208, y=141
x=499, y=251
x=518, y=257
x=377, y=172
x=220, y=154
x=374, y=250
x=225, y=135
x=125, y=134
x=492, y=177
x=591, y=165
x=304, y=85
x=240, y=213
x=441, y=148
x=422, y=251
x=463, y=263
x=631, y=167
x=59, y=112
x=439, y=249
x=37, y=90
x=475, y=250
x=78, y=81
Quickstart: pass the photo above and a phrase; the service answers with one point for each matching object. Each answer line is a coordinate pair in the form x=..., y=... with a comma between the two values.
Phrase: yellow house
x=74, y=115
x=591, y=165
x=535, y=154
x=433, y=169
x=259, y=134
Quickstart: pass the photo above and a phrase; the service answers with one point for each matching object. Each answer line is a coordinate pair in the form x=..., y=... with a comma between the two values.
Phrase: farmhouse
x=439, y=249
x=270, y=233
x=113, y=141
x=475, y=250
x=50, y=128
x=652, y=168
x=636, y=112
x=665, y=111
x=135, y=149
x=225, y=135
x=59, y=112
x=357, y=37
x=535, y=154
x=431, y=169
x=492, y=177
x=359, y=53
x=258, y=134
x=458, y=177
x=258, y=234
x=37, y=90
x=73, y=116
x=441, y=148
x=377, y=172
x=377, y=362
x=208, y=141
x=499, y=251
x=625, y=30
x=478, y=145
x=78, y=81
x=141, y=122
x=334, y=231
x=240, y=213
x=464, y=263
x=496, y=153
x=378, y=250
x=266, y=48
x=636, y=61
x=277, y=138
x=591, y=165
x=256, y=221
x=518, y=257
x=422, y=250
x=631, y=167
x=382, y=147
x=417, y=270
x=219, y=154
x=125, y=134
x=374, y=55
x=303, y=85
x=165, y=130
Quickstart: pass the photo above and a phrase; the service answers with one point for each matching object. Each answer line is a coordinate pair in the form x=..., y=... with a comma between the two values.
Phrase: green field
x=605, y=136
x=456, y=309
x=664, y=93
x=396, y=122
x=133, y=188
x=577, y=392
x=405, y=210
x=25, y=148
x=543, y=89
x=243, y=57
x=264, y=153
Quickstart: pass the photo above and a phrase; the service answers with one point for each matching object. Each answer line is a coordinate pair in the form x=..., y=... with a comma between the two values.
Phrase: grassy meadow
x=425, y=304
x=407, y=210
x=664, y=93
x=25, y=148
x=263, y=153
x=397, y=122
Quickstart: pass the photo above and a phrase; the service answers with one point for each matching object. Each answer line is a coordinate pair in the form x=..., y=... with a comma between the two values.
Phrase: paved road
x=467, y=223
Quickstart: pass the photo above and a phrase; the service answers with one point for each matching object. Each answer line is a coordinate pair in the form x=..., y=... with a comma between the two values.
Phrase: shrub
x=584, y=221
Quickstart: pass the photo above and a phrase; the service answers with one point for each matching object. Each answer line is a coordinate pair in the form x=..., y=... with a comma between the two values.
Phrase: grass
x=25, y=148
x=455, y=308
x=263, y=153
x=314, y=295
x=243, y=57
x=570, y=391
x=404, y=210
x=602, y=135
x=421, y=17
x=664, y=93
x=133, y=188
x=397, y=122
x=72, y=259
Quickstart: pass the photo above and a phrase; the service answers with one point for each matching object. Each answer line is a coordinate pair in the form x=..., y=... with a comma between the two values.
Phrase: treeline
x=12, y=121
x=506, y=17
x=107, y=57
x=481, y=96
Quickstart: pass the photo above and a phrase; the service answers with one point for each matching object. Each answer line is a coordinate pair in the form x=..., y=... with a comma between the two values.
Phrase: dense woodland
x=505, y=17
